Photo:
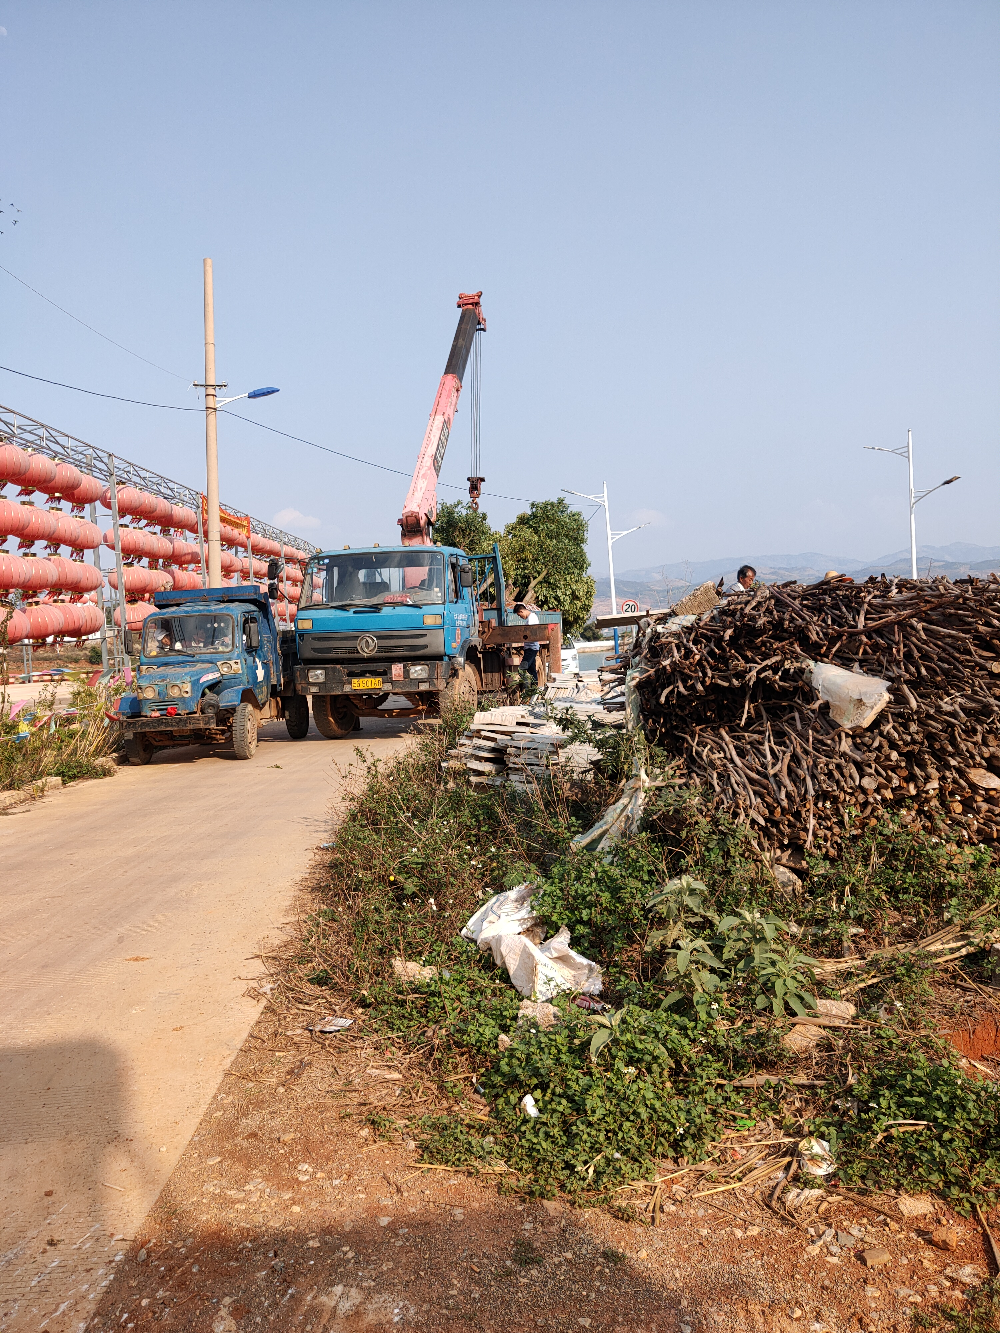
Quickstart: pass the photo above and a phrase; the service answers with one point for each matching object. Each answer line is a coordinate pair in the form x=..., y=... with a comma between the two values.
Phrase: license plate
x=367, y=683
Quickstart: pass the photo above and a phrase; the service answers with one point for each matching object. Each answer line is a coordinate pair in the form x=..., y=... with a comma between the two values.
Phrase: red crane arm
x=420, y=506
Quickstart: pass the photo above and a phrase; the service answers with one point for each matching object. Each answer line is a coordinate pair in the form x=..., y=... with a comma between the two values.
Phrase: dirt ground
x=285, y=1211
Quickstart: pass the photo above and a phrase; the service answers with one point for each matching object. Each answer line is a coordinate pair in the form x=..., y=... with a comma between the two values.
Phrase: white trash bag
x=855, y=699
x=537, y=971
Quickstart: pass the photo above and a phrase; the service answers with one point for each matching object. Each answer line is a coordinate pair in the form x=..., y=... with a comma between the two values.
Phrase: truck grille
x=399, y=643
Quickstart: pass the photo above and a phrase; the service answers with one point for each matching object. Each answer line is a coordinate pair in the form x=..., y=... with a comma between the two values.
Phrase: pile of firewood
x=730, y=695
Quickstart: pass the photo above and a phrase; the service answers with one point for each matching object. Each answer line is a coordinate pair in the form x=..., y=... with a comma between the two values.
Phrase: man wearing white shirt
x=529, y=662
x=744, y=580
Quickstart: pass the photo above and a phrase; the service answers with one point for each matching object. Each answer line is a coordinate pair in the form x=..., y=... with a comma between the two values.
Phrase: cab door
x=257, y=659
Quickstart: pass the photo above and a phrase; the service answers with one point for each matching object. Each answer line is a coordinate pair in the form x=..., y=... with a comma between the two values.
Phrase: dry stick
x=988, y=1234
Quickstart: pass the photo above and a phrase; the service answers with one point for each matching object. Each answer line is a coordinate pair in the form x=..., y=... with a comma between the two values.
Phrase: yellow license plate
x=367, y=683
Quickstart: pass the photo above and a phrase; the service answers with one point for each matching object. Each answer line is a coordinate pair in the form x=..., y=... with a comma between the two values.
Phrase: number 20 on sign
x=630, y=608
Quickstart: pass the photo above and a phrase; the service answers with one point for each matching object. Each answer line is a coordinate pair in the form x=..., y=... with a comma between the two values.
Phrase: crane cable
x=475, y=480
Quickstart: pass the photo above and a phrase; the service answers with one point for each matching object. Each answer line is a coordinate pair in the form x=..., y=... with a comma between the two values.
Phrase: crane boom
x=420, y=506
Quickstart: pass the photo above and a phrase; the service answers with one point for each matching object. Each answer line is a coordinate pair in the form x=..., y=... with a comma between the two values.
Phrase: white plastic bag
x=506, y=914
x=537, y=971
x=855, y=700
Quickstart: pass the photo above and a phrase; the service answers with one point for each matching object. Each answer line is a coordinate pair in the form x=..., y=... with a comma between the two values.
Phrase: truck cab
x=407, y=621
x=209, y=670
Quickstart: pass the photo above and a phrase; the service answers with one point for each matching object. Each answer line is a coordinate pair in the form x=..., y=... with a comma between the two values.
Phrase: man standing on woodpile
x=745, y=579
x=529, y=662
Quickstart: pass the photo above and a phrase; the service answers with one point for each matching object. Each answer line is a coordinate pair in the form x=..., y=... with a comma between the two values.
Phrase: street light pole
x=914, y=497
x=211, y=438
x=602, y=499
x=913, y=517
x=213, y=537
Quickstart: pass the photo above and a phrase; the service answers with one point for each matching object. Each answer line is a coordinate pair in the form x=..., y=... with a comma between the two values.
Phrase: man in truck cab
x=529, y=662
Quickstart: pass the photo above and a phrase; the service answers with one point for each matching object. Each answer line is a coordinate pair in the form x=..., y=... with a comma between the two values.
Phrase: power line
x=121, y=347
x=138, y=402
x=170, y=407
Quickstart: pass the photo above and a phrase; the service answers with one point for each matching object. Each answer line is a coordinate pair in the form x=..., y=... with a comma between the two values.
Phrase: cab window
x=454, y=588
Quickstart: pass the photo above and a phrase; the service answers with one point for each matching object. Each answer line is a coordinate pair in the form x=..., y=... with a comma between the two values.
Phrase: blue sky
x=723, y=246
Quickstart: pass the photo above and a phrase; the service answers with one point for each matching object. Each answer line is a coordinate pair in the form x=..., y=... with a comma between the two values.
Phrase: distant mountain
x=659, y=586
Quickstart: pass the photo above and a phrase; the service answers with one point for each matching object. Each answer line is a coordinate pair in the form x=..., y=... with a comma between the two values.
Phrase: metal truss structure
x=35, y=436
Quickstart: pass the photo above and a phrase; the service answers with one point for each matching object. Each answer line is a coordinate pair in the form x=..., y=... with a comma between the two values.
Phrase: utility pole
x=211, y=438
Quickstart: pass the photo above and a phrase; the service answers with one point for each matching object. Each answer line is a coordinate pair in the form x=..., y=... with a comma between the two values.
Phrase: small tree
x=458, y=524
x=546, y=550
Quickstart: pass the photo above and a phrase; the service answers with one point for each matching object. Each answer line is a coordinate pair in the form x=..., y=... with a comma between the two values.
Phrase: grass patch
x=39, y=743
x=418, y=850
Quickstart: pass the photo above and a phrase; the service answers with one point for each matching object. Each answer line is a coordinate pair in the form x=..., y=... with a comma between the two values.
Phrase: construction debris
x=746, y=697
x=412, y=971
x=518, y=746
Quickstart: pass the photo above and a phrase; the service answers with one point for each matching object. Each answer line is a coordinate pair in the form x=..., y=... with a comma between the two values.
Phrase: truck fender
x=236, y=695
x=129, y=706
x=471, y=646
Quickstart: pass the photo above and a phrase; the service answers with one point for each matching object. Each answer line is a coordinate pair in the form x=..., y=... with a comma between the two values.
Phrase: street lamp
x=914, y=496
x=602, y=499
x=212, y=404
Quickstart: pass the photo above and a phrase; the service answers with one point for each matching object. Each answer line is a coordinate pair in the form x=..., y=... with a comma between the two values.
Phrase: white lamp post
x=914, y=496
x=602, y=499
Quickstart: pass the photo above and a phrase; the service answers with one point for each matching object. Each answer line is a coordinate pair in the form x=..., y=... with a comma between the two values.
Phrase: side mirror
x=273, y=569
x=465, y=576
x=253, y=636
x=129, y=643
x=272, y=588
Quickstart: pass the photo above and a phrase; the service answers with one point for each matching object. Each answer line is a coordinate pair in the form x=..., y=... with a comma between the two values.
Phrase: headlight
x=224, y=668
x=174, y=691
x=317, y=675
x=418, y=672
x=428, y=620
x=149, y=692
x=229, y=668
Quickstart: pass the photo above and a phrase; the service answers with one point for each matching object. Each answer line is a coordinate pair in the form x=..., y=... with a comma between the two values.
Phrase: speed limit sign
x=630, y=608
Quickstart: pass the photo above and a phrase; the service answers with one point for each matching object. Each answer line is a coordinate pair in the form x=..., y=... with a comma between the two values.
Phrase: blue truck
x=416, y=624
x=210, y=670
x=381, y=631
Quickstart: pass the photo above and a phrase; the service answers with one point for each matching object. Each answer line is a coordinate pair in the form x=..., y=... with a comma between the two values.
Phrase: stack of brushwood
x=730, y=695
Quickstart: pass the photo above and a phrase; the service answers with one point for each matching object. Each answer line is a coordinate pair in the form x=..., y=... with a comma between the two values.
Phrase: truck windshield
x=374, y=578
x=182, y=636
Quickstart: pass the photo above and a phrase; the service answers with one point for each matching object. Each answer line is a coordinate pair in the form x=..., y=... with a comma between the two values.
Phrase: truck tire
x=463, y=688
x=297, y=717
x=245, y=731
x=334, y=717
x=138, y=750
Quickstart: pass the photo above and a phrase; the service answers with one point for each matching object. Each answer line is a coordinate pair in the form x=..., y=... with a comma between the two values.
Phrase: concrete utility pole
x=211, y=438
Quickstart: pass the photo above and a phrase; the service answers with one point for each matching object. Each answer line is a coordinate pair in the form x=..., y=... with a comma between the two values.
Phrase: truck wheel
x=297, y=717
x=245, y=731
x=138, y=750
x=462, y=689
x=334, y=717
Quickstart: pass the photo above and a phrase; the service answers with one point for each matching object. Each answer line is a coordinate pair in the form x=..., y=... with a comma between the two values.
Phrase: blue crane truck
x=416, y=624
x=382, y=631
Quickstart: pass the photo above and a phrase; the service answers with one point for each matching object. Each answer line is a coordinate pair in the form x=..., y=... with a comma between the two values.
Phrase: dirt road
x=131, y=913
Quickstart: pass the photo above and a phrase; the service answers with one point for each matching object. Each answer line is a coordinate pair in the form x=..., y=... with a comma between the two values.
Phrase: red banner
x=242, y=525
